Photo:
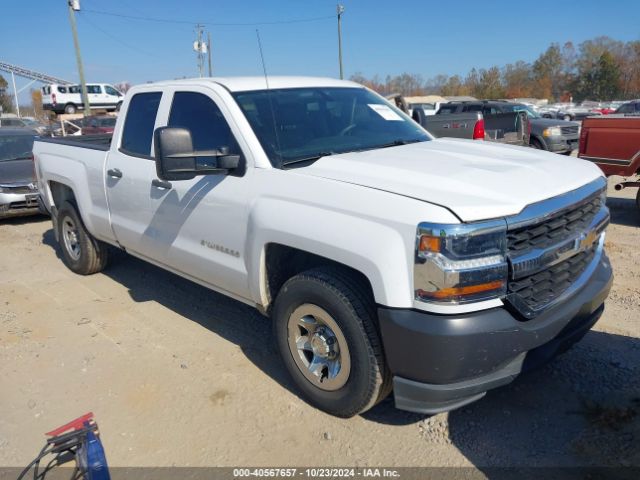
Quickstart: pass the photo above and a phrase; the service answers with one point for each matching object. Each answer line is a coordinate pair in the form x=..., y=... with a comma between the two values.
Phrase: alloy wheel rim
x=318, y=347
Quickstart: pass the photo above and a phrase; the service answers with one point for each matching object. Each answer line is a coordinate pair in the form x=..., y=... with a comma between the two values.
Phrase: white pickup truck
x=388, y=260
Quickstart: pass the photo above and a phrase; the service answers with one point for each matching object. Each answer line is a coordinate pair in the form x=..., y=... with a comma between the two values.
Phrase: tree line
x=599, y=69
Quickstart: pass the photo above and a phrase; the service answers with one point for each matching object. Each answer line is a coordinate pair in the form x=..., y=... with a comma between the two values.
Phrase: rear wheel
x=70, y=108
x=325, y=328
x=567, y=118
x=81, y=252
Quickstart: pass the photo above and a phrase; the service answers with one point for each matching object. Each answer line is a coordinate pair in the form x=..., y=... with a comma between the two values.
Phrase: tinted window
x=487, y=110
x=199, y=114
x=446, y=109
x=75, y=89
x=472, y=108
x=94, y=89
x=138, y=126
x=106, y=122
x=626, y=108
x=62, y=89
x=111, y=91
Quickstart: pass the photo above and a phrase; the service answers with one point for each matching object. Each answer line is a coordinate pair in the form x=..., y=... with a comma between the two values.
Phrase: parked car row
x=570, y=111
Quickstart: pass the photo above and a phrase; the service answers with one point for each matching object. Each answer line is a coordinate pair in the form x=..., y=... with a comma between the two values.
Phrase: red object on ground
x=76, y=424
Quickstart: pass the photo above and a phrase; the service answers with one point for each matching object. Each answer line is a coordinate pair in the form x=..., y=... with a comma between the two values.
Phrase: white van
x=68, y=98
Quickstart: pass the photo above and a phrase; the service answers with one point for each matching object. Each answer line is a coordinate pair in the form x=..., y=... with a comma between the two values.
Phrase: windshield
x=13, y=147
x=305, y=123
x=107, y=122
x=521, y=108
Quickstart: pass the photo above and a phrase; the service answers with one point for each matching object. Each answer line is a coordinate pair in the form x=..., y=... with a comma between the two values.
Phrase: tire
x=638, y=200
x=70, y=108
x=535, y=143
x=334, y=298
x=567, y=118
x=81, y=252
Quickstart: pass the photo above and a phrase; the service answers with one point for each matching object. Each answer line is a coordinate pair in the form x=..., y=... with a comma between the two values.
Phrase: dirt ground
x=179, y=375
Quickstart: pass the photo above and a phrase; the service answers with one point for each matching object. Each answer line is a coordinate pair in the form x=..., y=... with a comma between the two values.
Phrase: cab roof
x=243, y=84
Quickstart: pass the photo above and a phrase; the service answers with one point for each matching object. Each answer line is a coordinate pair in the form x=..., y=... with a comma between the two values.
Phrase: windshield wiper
x=26, y=156
x=310, y=158
x=396, y=143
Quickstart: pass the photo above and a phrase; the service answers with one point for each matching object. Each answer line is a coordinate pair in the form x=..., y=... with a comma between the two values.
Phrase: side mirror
x=176, y=159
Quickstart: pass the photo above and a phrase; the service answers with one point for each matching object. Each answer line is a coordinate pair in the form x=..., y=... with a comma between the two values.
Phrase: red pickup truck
x=613, y=143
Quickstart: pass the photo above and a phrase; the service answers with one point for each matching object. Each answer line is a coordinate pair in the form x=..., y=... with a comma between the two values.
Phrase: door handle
x=162, y=184
x=114, y=173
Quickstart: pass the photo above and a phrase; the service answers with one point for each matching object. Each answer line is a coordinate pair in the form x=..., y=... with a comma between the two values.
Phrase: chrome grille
x=555, y=229
x=19, y=189
x=549, y=252
x=573, y=130
x=534, y=292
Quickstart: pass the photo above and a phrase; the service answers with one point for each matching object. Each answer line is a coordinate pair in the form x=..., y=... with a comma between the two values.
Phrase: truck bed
x=613, y=143
x=79, y=163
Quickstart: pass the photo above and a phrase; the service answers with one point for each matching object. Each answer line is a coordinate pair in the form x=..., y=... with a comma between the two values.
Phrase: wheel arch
x=282, y=262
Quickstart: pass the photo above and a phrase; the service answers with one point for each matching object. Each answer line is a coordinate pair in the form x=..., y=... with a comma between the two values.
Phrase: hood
x=551, y=122
x=16, y=171
x=474, y=179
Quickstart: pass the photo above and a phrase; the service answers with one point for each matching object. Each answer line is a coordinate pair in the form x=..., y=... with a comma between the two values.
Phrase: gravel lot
x=179, y=375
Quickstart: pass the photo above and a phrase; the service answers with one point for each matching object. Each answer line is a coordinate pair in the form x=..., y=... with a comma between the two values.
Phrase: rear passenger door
x=130, y=169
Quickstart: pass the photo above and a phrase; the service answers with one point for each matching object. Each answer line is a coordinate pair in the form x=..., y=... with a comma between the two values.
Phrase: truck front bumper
x=562, y=144
x=17, y=204
x=442, y=362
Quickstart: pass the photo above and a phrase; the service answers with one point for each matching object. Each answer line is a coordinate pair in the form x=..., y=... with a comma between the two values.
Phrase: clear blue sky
x=379, y=37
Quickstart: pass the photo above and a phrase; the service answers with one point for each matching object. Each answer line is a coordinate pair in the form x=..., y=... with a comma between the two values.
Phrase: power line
x=217, y=24
x=116, y=39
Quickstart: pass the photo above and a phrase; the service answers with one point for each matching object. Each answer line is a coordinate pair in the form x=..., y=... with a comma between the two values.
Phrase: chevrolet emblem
x=586, y=240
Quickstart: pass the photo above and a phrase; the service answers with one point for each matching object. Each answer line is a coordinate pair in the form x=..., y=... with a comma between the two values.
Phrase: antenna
x=264, y=67
x=266, y=81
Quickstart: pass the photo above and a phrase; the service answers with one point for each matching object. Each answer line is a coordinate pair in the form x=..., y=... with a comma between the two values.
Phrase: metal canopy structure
x=32, y=74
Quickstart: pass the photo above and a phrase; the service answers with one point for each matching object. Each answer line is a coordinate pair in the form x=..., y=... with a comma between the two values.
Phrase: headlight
x=552, y=132
x=460, y=263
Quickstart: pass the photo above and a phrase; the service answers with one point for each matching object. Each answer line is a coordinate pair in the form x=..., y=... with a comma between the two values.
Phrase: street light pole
x=15, y=93
x=74, y=5
x=340, y=11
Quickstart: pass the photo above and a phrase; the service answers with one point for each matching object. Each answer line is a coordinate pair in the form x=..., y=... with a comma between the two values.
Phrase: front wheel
x=81, y=252
x=70, y=108
x=535, y=143
x=325, y=328
x=567, y=118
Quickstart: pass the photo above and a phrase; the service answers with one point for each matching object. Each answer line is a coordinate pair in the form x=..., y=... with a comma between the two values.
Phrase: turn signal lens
x=429, y=244
x=460, y=292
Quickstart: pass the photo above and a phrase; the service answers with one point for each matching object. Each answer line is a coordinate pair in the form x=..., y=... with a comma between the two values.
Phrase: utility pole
x=74, y=6
x=340, y=11
x=200, y=47
x=209, y=52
